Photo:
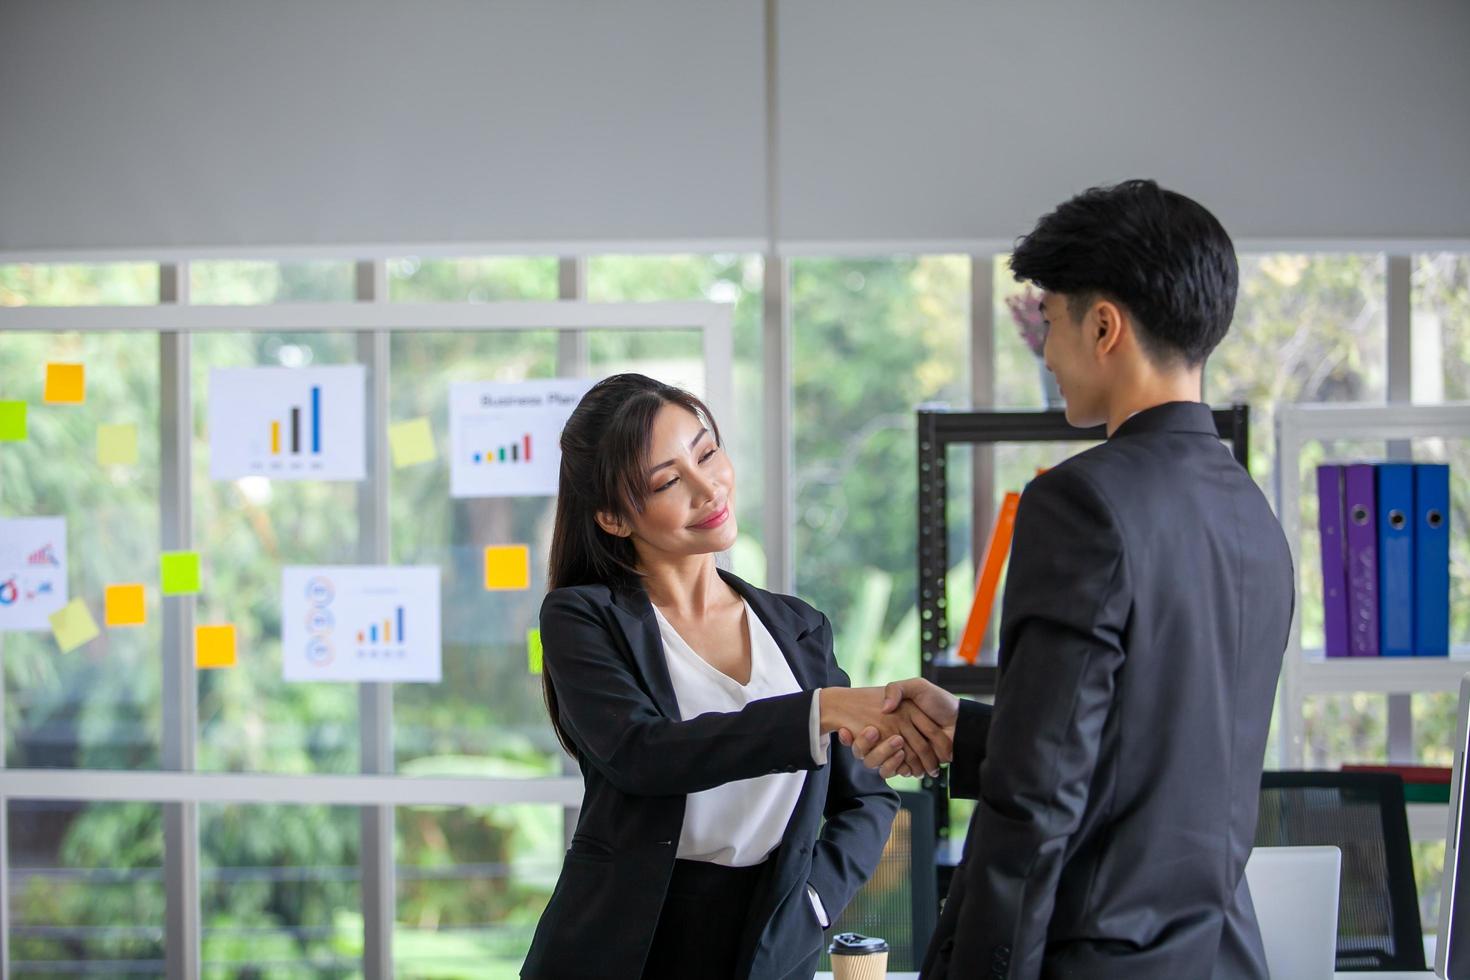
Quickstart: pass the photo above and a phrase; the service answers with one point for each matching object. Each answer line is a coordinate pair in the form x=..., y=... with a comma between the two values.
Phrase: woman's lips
x=715, y=520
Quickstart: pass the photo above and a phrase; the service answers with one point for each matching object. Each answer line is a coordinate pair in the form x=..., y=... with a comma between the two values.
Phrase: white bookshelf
x=1309, y=672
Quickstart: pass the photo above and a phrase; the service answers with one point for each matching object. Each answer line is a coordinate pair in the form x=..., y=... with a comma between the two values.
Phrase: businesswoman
x=686, y=696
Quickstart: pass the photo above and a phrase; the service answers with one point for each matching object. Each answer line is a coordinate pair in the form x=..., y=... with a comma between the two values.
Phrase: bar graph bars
x=295, y=433
x=515, y=452
x=391, y=631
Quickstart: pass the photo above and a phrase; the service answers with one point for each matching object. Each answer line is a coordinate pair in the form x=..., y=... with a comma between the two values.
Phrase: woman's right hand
x=887, y=754
x=901, y=725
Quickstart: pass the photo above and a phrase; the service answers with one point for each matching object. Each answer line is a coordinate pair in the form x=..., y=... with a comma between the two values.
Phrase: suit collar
x=634, y=614
x=1194, y=417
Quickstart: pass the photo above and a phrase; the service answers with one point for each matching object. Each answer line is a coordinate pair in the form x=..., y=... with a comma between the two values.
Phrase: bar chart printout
x=288, y=423
x=360, y=623
x=505, y=437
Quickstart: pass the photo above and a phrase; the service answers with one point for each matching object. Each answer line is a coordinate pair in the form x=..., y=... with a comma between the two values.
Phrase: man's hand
x=922, y=742
x=885, y=753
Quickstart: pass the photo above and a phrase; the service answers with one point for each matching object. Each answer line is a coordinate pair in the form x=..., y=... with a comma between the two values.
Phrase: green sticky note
x=12, y=421
x=180, y=572
x=73, y=625
x=533, y=650
x=411, y=442
x=117, y=445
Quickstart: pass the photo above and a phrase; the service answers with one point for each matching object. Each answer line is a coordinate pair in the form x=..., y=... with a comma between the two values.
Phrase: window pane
x=246, y=530
x=101, y=284
x=471, y=280
x=250, y=282
x=486, y=717
x=472, y=884
x=1441, y=317
x=97, y=706
x=280, y=893
x=86, y=889
x=1308, y=328
x=872, y=340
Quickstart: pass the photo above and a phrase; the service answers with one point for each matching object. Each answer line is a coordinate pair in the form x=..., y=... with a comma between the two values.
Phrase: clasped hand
x=906, y=728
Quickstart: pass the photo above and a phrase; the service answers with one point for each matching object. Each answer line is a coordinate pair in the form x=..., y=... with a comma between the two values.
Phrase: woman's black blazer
x=604, y=656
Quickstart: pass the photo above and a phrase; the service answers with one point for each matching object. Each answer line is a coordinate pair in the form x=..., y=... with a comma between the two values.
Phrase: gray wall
x=141, y=124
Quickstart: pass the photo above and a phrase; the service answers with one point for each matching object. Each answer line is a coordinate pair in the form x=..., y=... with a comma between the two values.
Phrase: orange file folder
x=996, y=551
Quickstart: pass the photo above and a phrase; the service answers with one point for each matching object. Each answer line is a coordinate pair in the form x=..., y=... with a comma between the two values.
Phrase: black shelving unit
x=938, y=430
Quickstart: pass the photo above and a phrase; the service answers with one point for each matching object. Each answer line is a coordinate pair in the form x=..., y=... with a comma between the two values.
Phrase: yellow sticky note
x=73, y=625
x=214, y=646
x=412, y=442
x=66, y=384
x=533, y=650
x=117, y=445
x=12, y=421
x=508, y=567
x=123, y=606
x=179, y=572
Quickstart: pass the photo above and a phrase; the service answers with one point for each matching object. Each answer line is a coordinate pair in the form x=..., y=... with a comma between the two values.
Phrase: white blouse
x=736, y=824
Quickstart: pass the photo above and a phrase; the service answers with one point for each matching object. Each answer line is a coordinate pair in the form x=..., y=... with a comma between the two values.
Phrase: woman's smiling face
x=690, y=483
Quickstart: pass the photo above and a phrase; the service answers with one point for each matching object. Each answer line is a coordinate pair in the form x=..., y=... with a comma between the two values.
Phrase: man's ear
x=1109, y=323
x=613, y=525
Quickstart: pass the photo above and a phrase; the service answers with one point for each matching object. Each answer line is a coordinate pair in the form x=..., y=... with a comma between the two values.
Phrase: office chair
x=899, y=901
x=1363, y=814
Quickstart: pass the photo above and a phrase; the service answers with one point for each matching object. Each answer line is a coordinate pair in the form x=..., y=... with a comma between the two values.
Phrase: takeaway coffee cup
x=857, y=957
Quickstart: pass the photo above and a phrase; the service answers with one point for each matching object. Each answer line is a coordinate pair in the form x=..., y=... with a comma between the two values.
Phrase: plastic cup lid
x=852, y=944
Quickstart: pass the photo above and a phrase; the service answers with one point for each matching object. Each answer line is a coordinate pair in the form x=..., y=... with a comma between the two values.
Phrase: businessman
x=1142, y=630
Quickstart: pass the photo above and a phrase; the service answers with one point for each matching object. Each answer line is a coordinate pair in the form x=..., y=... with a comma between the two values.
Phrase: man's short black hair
x=1160, y=254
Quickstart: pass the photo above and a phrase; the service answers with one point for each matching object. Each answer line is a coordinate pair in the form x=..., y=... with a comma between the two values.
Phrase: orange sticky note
x=214, y=646
x=123, y=606
x=508, y=567
x=66, y=384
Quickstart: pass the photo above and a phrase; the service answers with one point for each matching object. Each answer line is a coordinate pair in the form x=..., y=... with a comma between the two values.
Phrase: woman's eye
x=707, y=455
x=666, y=485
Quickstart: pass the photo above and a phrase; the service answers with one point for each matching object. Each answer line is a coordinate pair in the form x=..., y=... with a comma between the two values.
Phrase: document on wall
x=360, y=623
x=505, y=437
x=288, y=423
x=32, y=572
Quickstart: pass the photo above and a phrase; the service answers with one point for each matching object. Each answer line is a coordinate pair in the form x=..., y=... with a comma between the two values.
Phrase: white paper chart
x=360, y=623
x=506, y=437
x=288, y=423
x=32, y=572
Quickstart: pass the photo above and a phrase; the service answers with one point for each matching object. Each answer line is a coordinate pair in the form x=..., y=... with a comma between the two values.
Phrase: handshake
x=904, y=729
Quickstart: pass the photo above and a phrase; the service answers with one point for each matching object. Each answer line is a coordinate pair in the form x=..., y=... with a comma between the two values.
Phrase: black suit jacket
x=1145, y=615
x=639, y=761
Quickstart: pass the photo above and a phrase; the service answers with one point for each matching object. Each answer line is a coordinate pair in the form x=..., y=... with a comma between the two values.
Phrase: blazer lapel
x=634, y=615
x=790, y=630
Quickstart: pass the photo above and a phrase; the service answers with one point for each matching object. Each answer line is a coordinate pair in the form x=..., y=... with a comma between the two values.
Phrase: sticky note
x=66, y=384
x=411, y=442
x=180, y=572
x=117, y=445
x=12, y=421
x=73, y=625
x=533, y=650
x=214, y=646
x=123, y=606
x=508, y=567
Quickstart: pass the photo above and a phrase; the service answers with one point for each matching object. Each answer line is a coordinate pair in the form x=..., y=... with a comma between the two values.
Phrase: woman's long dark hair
x=604, y=449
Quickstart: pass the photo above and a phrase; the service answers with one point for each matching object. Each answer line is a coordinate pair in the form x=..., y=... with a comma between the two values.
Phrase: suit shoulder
x=575, y=596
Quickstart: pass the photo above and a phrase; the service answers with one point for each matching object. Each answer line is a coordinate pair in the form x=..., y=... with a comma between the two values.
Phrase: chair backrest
x=1363, y=815
x=1295, y=893
x=900, y=902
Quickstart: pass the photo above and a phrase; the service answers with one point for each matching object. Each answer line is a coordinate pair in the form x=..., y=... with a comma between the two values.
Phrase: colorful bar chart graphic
x=516, y=452
x=388, y=634
x=295, y=430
